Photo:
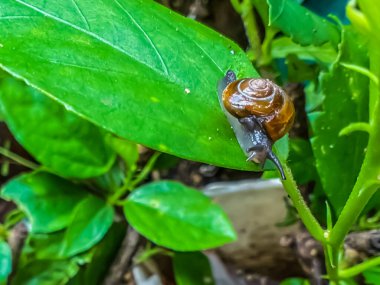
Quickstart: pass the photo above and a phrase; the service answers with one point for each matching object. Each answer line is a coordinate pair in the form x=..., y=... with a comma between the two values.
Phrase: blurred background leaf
x=301, y=24
x=192, y=268
x=63, y=142
x=178, y=217
x=5, y=262
x=47, y=199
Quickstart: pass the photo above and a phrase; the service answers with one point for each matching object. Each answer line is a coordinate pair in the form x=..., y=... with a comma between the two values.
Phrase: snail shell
x=262, y=99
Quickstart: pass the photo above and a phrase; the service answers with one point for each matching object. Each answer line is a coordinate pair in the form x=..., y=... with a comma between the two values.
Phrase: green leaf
x=372, y=276
x=166, y=161
x=92, y=219
x=41, y=263
x=301, y=161
x=175, y=216
x=302, y=25
x=127, y=150
x=192, y=268
x=133, y=67
x=43, y=246
x=284, y=46
x=299, y=70
x=47, y=200
x=295, y=281
x=63, y=142
x=46, y=272
x=102, y=256
x=112, y=180
x=5, y=261
x=345, y=93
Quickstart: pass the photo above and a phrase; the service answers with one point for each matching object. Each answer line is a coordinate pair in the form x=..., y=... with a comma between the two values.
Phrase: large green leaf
x=345, y=93
x=132, y=67
x=175, y=216
x=47, y=199
x=192, y=268
x=302, y=25
x=63, y=142
x=5, y=261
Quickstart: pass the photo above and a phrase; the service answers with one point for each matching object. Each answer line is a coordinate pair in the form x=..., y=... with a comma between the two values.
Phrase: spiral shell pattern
x=262, y=99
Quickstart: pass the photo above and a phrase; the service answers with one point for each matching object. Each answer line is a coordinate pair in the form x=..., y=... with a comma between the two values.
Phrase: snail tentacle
x=276, y=161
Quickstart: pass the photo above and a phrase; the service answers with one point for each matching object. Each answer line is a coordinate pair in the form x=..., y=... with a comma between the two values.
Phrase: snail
x=260, y=113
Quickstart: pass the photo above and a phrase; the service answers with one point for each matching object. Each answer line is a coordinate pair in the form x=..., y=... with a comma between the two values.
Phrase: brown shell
x=263, y=99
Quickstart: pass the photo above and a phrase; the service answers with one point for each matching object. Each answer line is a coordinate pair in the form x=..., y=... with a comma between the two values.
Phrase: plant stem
x=266, y=50
x=332, y=262
x=247, y=14
x=129, y=186
x=303, y=210
x=369, y=177
x=359, y=268
x=146, y=170
x=20, y=160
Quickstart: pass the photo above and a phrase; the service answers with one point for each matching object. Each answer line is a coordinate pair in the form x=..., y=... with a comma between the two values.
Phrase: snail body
x=264, y=110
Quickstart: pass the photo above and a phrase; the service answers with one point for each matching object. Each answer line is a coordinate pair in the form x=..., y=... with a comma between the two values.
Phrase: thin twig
x=20, y=160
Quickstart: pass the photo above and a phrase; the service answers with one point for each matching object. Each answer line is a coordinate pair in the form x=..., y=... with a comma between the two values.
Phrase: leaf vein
x=15, y=17
x=208, y=55
x=84, y=19
x=94, y=68
x=164, y=66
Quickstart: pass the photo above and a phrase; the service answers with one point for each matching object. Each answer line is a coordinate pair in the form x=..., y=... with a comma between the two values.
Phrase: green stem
x=355, y=204
x=369, y=177
x=359, y=268
x=331, y=262
x=247, y=14
x=146, y=170
x=303, y=210
x=129, y=186
x=236, y=5
x=20, y=160
x=266, y=49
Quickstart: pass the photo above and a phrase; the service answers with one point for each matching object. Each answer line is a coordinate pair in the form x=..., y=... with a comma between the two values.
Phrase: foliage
x=136, y=83
x=165, y=204
x=83, y=82
x=192, y=268
x=5, y=262
x=44, y=126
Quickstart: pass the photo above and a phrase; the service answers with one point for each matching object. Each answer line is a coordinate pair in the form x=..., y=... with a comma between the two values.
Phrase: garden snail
x=261, y=114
